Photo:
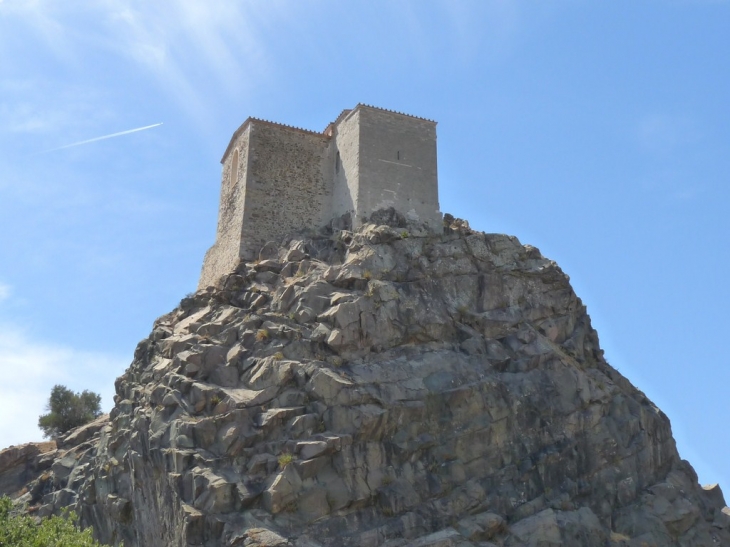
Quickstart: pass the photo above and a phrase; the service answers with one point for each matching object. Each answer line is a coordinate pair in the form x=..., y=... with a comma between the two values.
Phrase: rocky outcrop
x=384, y=387
x=19, y=465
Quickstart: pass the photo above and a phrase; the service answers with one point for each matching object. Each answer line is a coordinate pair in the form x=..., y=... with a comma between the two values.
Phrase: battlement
x=279, y=179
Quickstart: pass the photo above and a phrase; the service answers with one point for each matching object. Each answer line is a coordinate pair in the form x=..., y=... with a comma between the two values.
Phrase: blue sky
x=597, y=131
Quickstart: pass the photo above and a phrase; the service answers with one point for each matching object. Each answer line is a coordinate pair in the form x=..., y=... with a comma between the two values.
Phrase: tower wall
x=346, y=151
x=224, y=255
x=279, y=180
x=288, y=184
x=397, y=166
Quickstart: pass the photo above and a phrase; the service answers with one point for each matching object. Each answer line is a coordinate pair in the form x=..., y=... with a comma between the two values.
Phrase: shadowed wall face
x=347, y=165
x=224, y=255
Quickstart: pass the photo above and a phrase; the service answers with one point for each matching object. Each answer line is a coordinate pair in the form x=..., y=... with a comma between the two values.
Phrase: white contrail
x=103, y=138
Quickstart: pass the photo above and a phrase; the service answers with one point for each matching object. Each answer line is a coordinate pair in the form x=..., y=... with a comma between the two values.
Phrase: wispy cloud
x=187, y=46
x=44, y=106
x=184, y=45
x=685, y=194
x=663, y=133
x=667, y=140
x=486, y=27
x=38, y=23
x=4, y=290
x=32, y=367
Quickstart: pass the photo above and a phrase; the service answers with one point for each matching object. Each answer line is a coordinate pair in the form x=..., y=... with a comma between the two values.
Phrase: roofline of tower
x=347, y=112
x=363, y=105
x=326, y=133
x=237, y=133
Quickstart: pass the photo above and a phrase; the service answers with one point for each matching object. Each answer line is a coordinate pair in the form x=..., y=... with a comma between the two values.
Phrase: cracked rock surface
x=383, y=387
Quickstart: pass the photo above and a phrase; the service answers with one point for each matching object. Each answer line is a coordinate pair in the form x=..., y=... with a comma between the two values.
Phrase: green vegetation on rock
x=22, y=530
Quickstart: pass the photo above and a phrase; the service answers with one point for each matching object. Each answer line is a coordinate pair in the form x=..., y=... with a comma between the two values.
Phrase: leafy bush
x=22, y=531
x=285, y=459
x=68, y=410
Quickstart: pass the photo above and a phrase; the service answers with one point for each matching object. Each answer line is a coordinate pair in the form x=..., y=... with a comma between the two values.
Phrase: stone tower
x=279, y=180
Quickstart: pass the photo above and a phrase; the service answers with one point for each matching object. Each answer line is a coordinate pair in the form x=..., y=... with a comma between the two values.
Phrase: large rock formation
x=383, y=387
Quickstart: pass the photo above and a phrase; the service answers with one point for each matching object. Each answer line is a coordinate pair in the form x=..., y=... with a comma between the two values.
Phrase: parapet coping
x=394, y=112
x=347, y=112
x=250, y=119
x=338, y=119
x=344, y=114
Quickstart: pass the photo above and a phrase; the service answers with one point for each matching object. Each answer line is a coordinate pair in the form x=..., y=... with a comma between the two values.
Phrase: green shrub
x=22, y=531
x=285, y=458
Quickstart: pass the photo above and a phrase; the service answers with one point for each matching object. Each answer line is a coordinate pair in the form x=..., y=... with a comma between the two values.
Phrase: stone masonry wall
x=290, y=179
x=347, y=161
x=397, y=166
x=289, y=184
x=223, y=256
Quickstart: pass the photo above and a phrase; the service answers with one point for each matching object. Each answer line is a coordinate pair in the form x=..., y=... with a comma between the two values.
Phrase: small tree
x=68, y=410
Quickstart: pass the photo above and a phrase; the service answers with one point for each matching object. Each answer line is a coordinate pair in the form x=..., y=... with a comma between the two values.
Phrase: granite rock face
x=383, y=387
